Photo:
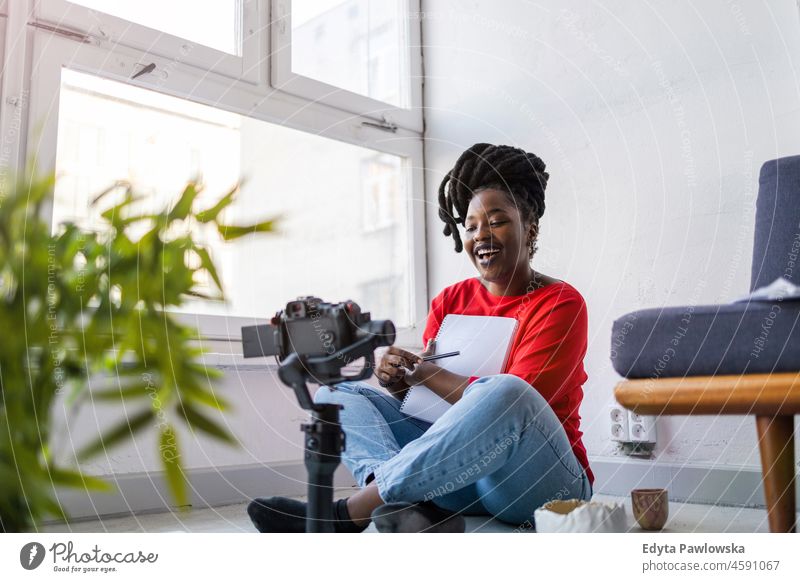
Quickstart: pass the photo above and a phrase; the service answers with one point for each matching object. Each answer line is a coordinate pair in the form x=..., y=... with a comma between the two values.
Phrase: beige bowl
x=578, y=516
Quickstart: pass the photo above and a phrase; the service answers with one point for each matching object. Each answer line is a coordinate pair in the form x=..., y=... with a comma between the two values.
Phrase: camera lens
x=384, y=332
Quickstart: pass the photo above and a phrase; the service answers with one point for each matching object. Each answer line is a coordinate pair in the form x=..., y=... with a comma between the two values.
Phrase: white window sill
x=236, y=361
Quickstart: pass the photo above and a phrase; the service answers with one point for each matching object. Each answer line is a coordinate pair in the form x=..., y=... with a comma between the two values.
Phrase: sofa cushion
x=703, y=340
x=776, y=245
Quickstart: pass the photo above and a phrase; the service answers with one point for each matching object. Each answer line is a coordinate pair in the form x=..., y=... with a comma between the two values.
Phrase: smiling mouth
x=485, y=258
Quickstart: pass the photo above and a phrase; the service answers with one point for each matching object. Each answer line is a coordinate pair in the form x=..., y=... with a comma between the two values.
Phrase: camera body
x=326, y=336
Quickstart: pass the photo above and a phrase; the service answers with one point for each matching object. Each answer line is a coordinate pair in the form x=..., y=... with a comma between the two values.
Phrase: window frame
x=13, y=92
x=3, y=20
x=106, y=29
x=51, y=52
x=283, y=79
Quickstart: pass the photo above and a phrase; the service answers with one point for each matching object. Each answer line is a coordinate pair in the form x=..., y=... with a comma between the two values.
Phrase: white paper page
x=484, y=343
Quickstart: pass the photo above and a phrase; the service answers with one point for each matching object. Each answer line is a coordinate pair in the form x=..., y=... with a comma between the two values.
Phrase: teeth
x=483, y=254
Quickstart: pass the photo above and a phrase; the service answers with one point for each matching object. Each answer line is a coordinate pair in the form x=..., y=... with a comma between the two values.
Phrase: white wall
x=654, y=118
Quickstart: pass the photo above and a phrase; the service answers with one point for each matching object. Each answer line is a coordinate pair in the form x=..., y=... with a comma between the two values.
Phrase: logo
x=31, y=555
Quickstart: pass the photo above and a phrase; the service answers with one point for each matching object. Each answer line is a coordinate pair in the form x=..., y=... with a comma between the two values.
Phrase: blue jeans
x=499, y=450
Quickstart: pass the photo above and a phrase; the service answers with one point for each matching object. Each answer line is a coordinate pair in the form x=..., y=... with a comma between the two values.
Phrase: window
x=355, y=54
x=381, y=201
x=383, y=296
x=352, y=226
x=357, y=45
x=109, y=131
x=214, y=24
x=210, y=36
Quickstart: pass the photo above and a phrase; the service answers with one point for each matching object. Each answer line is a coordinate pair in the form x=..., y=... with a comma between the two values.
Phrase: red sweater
x=549, y=346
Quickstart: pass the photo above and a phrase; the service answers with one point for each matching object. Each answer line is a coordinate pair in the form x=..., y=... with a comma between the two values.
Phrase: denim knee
x=328, y=395
x=507, y=393
x=324, y=395
x=339, y=394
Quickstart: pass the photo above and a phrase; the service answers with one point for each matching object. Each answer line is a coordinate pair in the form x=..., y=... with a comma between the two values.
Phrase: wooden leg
x=776, y=442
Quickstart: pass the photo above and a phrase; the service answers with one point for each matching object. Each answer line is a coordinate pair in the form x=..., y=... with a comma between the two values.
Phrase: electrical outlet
x=619, y=424
x=642, y=428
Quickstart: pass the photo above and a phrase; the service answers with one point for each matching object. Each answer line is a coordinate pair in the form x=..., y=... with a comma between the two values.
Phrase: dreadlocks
x=516, y=172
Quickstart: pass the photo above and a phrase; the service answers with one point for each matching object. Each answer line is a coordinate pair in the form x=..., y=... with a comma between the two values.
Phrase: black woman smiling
x=510, y=442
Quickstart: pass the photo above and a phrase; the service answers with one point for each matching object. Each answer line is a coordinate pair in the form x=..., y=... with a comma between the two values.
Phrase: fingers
x=410, y=356
x=394, y=363
x=391, y=365
x=400, y=361
x=392, y=376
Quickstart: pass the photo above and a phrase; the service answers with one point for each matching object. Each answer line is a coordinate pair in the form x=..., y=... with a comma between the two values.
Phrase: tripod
x=324, y=439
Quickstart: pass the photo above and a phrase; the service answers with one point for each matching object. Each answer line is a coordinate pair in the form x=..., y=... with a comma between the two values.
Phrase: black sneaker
x=404, y=517
x=285, y=515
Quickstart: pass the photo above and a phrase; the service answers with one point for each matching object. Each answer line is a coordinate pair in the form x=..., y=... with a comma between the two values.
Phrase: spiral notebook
x=484, y=342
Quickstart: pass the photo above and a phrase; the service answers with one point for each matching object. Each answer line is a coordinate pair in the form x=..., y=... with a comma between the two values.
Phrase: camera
x=326, y=336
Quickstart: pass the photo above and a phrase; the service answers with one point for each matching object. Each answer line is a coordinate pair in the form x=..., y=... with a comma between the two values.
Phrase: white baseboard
x=147, y=492
x=709, y=484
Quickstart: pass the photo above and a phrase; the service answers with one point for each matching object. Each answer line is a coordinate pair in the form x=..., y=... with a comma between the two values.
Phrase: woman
x=510, y=442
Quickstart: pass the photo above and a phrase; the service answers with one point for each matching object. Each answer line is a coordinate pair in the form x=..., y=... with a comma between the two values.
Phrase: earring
x=531, y=244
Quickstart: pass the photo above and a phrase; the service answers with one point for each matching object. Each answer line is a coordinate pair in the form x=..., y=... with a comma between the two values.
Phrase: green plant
x=76, y=305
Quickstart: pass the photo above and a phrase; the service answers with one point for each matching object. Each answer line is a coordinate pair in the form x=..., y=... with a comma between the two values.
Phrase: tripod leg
x=319, y=518
x=324, y=443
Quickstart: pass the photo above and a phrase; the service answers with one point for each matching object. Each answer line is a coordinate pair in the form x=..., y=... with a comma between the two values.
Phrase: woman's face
x=495, y=237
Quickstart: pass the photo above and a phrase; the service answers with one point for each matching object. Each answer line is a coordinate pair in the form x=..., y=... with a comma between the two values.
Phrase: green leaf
x=121, y=394
x=232, y=232
x=114, y=214
x=208, y=265
x=205, y=296
x=212, y=213
x=170, y=460
x=193, y=391
x=184, y=205
x=111, y=188
x=78, y=480
x=51, y=507
x=197, y=420
x=36, y=189
x=122, y=431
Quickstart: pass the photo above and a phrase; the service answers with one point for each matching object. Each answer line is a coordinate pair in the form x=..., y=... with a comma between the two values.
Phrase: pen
x=434, y=357
x=439, y=356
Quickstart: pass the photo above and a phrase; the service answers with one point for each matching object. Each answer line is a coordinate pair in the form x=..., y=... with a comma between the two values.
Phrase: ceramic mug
x=650, y=507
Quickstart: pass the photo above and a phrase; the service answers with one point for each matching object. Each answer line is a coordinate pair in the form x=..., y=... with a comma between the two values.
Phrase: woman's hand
x=423, y=370
x=392, y=369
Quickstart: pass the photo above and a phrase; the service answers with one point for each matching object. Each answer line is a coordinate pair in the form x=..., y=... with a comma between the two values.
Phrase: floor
x=684, y=517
